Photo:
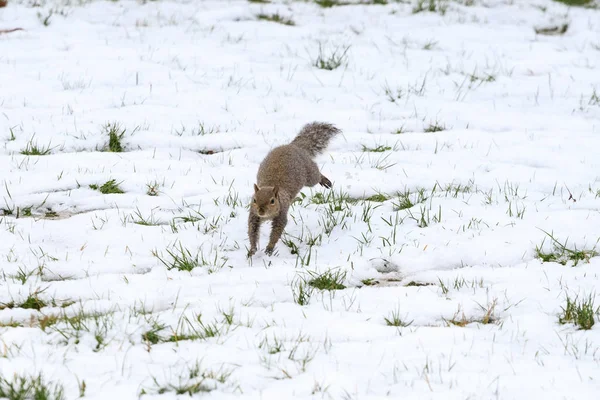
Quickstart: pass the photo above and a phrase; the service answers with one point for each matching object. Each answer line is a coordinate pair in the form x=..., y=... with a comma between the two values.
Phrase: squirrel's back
x=291, y=166
x=288, y=167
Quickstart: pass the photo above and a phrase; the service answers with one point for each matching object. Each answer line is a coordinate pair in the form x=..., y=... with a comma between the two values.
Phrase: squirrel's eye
x=254, y=200
x=272, y=201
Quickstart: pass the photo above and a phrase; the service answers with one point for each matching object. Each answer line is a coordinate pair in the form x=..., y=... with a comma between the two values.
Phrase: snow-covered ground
x=445, y=295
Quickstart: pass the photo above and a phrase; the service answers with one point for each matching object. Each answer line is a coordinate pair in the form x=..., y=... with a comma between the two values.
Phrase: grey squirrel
x=281, y=176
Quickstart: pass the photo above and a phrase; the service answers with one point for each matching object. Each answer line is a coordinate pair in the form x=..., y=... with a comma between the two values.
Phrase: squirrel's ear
x=255, y=188
x=275, y=191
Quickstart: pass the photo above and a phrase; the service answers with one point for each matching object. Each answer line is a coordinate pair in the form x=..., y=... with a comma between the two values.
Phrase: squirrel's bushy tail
x=315, y=137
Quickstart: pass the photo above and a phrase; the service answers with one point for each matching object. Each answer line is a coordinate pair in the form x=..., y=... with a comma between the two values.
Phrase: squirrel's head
x=265, y=202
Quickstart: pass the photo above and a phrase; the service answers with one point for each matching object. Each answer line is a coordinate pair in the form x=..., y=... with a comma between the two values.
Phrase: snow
x=203, y=90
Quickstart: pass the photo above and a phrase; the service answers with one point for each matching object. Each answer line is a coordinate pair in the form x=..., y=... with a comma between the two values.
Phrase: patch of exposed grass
x=276, y=17
x=331, y=59
x=576, y=2
x=579, y=312
x=152, y=335
x=370, y=282
x=418, y=284
x=377, y=149
x=407, y=200
x=73, y=327
x=378, y=198
x=435, y=127
x=33, y=302
x=301, y=291
x=259, y=1
x=180, y=258
x=594, y=98
x=193, y=380
x=153, y=188
x=328, y=280
x=562, y=254
x=29, y=387
x=488, y=316
x=394, y=319
x=115, y=136
x=437, y=6
x=32, y=149
x=110, y=187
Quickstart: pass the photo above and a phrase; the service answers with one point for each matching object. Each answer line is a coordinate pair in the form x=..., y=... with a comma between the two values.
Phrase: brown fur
x=281, y=176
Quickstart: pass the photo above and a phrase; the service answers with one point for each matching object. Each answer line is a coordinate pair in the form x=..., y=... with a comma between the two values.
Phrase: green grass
x=377, y=198
x=435, y=127
x=394, y=319
x=328, y=280
x=152, y=335
x=193, y=380
x=562, y=254
x=33, y=302
x=301, y=291
x=331, y=3
x=115, y=136
x=370, y=282
x=24, y=387
x=110, y=187
x=437, y=6
x=32, y=149
x=331, y=59
x=180, y=258
x=418, y=284
x=576, y=2
x=407, y=200
x=579, y=312
x=376, y=149
x=276, y=17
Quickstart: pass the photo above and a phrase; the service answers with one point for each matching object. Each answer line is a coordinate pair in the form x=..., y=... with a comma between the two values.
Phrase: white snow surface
x=203, y=89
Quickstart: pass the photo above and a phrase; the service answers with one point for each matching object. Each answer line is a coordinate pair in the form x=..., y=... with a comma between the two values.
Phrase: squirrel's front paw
x=269, y=250
x=251, y=252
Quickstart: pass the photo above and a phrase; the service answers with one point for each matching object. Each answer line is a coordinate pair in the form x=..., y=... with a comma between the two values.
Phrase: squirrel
x=281, y=175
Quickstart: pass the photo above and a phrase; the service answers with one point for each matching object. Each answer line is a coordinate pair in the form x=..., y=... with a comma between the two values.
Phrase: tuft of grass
x=193, y=380
x=153, y=188
x=328, y=280
x=562, y=254
x=259, y=1
x=579, y=312
x=435, y=127
x=181, y=259
x=594, y=98
x=378, y=198
x=110, y=187
x=24, y=387
x=33, y=302
x=115, y=136
x=418, y=284
x=378, y=149
x=394, y=319
x=331, y=3
x=152, y=336
x=406, y=201
x=331, y=59
x=276, y=17
x=301, y=291
x=576, y=3
x=32, y=149
x=369, y=282
x=437, y=6
x=552, y=30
